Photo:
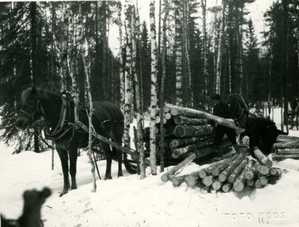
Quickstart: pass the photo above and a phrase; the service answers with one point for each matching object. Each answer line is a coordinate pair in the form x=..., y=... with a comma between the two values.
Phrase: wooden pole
x=172, y=171
x=176, y=110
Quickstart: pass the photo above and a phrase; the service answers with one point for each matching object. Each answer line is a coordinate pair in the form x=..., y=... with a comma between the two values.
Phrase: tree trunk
x=33, y=37
x=188, y=85
x=219, y=52
x=162, y=88
x=138, y=97
x=128, y=78
x=121, y=59
x=71, y=59
x=285, y=67
x=239, y=62
x=84, y=54
x=178, y=57
x=205, y=47
x=154, y=85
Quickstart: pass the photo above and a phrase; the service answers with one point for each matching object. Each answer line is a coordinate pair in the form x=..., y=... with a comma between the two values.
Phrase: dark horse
x=55, y=114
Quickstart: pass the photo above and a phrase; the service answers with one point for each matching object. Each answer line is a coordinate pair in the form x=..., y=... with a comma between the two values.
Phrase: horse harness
x=63, y=128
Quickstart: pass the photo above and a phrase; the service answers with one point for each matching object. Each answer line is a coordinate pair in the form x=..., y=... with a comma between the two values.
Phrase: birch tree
x=154, y=85
x=84, y=54
x=219, y=49
x=127, y=76
x=135, y=26
x=121, y=57
x=178, y=55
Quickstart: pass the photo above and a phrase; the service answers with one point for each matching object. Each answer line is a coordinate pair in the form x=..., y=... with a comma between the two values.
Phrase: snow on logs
x=240, y=172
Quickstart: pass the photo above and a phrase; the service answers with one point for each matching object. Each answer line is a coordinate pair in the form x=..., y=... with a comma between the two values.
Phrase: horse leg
x=108, y=161
x=119, y=160
x=73, y=166
x=116, y=136
x=63, y=155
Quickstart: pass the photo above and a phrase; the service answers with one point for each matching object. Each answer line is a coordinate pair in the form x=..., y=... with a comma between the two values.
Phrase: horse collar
x=59, y=128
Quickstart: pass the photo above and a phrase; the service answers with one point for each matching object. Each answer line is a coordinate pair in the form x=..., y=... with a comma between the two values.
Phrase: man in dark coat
x=221, y=109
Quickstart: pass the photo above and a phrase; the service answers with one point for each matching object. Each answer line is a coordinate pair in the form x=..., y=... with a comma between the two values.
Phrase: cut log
x=287, y=138
x=173, y=170
x=201, y=150
x=158, y=120
x=191, y=180
x=176, y=181
x=287, y=150
x=226, y=172
x=262, y=169
x=192, y=131
x=167, y=116
x=280, y=157
x=240, y=182
x=176, y=110
x=249, y=174
x=204, y=187
x=207, y=181
x=176, y=153
x=181, y=120
x=263, y=180
x=216, y=186
x=237, y=171
x=202, y=173
x=291, y=144
x=275, y=174
x=250, y=183
x=226, y=187
x=261, y=157
x=221, y=166
x=219, y=152
x=182, y=142
x=258, y=183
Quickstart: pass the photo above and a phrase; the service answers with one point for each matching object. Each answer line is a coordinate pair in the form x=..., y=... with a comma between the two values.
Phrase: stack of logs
x=286, y=147
x=187, y=131
x=237, y=173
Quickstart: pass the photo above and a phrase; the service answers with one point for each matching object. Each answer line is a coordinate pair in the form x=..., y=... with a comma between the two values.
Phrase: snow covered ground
x=131, y=202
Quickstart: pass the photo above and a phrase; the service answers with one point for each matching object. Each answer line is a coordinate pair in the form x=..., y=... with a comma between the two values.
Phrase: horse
x=55, y=114
x=31, y=215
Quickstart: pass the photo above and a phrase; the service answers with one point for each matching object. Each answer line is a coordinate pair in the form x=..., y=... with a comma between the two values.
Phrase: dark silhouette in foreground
x=31, y=216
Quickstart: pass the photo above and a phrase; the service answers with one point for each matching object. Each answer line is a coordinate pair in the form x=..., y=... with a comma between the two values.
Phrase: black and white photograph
x=149, y=113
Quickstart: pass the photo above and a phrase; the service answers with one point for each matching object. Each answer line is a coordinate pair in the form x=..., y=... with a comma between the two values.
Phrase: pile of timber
x=286, y=147
x=186, y=131
x=237, y=173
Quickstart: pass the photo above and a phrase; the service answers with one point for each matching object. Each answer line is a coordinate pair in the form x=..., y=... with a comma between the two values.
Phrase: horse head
x=31, y=112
